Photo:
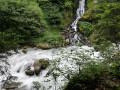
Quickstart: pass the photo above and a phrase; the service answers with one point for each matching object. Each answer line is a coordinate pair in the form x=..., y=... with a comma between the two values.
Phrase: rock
x=29, y=72
x=44, y=63
x=40, y=65
x=37, y=67
x=67, y=41
x=25, y=47
x=12, y=85
x=21, y=88
x=27, y=68
x=24, y=51
x=44, y=45
x=18, y=70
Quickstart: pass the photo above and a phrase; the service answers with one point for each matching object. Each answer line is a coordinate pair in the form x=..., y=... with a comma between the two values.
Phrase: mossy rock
x=44, y=45
x=29, y=72
x=45, y=63
x=24, y=51
x=37, y=67
x=12, y=85
x=40, y=65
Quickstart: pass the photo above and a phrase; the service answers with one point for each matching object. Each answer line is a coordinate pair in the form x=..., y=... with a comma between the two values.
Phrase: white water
x=79, y=13
x=63, y=57
x=76, y=36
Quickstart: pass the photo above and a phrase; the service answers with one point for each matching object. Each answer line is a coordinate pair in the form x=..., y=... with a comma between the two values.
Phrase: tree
x=21, y=21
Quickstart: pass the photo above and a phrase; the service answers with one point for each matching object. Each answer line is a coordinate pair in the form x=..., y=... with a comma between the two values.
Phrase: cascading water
x=79, y=13
x=61, y=60
x=74, y=35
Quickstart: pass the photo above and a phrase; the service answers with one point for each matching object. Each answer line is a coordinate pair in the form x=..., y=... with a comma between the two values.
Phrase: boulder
x=67, y=41
x=12, y=85
x=24, y=51
x=37, y=67
x=28, y=69
x=44, y=45
x=21, y=88
x=18, y=70
x=40, y=65
x=29, y=72
x=44, y=63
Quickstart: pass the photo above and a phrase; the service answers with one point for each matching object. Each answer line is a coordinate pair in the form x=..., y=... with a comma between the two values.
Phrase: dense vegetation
x=104, y=17
x=20, y=23
x=29, y=22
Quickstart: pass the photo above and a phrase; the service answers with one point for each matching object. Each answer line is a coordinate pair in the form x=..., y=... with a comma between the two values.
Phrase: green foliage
x=88, y=78
x=57, y=1
x=33, y=21
x=86, y=28
x=109, y=21
x=106, y=19
x=8, y=38
x=115, y=70
x=94, y=75
x=52, y=14
x=68, y=5
x=51, y=37
x=20, y=22
x=36, y=85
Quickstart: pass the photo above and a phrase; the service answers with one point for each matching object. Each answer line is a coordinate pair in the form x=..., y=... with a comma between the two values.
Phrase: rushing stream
x=62, y=58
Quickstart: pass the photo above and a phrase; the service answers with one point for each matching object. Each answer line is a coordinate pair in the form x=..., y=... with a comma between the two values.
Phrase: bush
x=89, y=77
x=20, y=22
x=86, y=28
x=52, y=13
x=115, y=70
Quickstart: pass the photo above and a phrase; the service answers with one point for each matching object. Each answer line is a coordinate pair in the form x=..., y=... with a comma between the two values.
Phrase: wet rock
x=24, y=51
x=25, y=47
x=44, y=63
x=18, y=70
x=67, y=41
x=21, y=88
x=12, y=85
x=40, y=65
x=29, y=72
x=28, y=69
x=37, y=67
x=44, y=45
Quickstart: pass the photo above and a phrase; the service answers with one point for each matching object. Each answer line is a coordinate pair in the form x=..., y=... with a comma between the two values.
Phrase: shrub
x=52, y=13
x=86, y=28
x=115, y=70
x=20, y=22
x=89, y=77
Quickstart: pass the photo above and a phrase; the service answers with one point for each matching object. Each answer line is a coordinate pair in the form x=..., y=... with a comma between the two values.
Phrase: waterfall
x=79, y=13
x=74, y=35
